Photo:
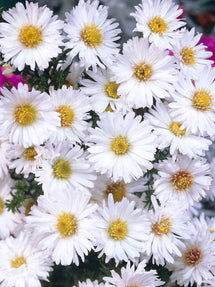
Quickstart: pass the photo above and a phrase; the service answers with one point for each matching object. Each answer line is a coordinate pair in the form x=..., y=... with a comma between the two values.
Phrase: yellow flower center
x=182, y=180
x=118, y=190
x=111, y=90
x=67, y=115
x=30, y=153
x=61, y=169
x=1, y=205
x=30, y=36
x=175, y=129
x=162, y=227
x=119, y=145
x=202, y=100
x=67, y=224
x=92, y=36
x=158, y=25
x=188, y=55
x=28, y=204
x=25, y=114
x=143, y=72
x=192, y=256
x=117, y=229
x=17, y=262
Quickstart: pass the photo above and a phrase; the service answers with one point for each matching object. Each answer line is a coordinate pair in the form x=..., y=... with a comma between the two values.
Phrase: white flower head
x=26, y=117
x=143, y=72
x=89, y=283
x=121, y=147
x=158, y=20
x=30, y=36
x=91, y=35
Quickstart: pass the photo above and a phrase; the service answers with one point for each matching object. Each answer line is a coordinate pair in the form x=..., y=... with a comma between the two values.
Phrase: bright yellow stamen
x=1, y=205
x=92, y=36
x=202, y=100
x=175, y=129
x=188, y=55
x=30, y=153
x=158, y=25
x=117, y=229
x=17, y=262
x=162, y=227
x=28, y=204
x=143, y=72
x=61, y=169
x=25, y=114
x=67, y=115
x=111, y=90
x=119, y=145
x=182, y=180
x=118, y=190
x=30, y=36
x=67, y=224
x=192, y=256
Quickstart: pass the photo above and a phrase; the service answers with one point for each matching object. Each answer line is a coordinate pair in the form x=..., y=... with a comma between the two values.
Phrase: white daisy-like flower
x=191, y=56
x=194, y=105
x=30, y=36
x=158, y=20
x=26, y=117
x=67, y=168
x=22, y=262
x=103, y=92
x=91, y=35
x=170, y=134
x=89, y=283
x=121, y=147
x=72, y=107
x=4, y=149
x=168, y=226
x=9, y=221
x=63, y=221
x=143, y=72
x=197, y=262
x=184, y=180
x=122, y=230
x=134, y=276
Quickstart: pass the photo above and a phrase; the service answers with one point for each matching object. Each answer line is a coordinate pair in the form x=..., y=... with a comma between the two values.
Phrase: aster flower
x=134, y=276
x=143, y=72
x=91, y=35
x=121, y=230
x=26, y=117
x=30, y=36
x=184, y=180
x=158, y=20
x=170, y=134
x=89, y=283
x=121, y=147
x=63, y=223
x=22, y=262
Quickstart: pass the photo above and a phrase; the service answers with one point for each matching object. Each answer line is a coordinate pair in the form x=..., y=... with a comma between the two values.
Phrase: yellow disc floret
x=119, y=145
x=30, y=36
x=188, y=56
x=61, y=169
x=182, y=180
x=67, y=115
x=143, y=72
x=111, y=90
x=92, y=36
x=192, y=256
x=117, y=189
x=174, y=127
x=30, y=153
x=1, y=205
x=25, y=114
x=17, y=261
x=67, y=224
x=117, y=229
x=162, y=227
x=158, y=25
x=202, y=100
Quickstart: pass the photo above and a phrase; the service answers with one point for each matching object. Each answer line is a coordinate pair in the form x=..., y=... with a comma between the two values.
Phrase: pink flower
x=9, y=78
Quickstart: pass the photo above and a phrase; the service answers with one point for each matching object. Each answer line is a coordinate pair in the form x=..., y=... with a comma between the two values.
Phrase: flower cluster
x=110, y=145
